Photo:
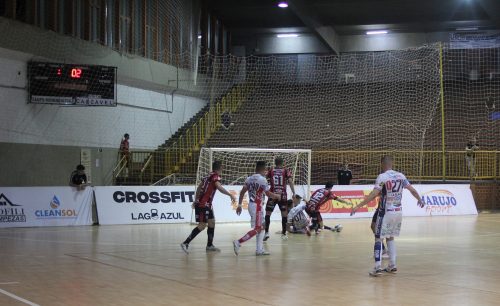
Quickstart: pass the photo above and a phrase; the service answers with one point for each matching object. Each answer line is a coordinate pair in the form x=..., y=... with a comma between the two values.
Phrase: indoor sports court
x=259, y=152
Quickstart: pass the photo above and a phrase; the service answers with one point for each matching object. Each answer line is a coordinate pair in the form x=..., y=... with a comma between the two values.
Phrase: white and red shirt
x=257, y=186
x=320, y=197
x=391, y=184
x=208, y=189
x=278, y=179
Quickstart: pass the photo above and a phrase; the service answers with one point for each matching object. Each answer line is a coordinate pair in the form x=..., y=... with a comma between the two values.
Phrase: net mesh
x=240, y=163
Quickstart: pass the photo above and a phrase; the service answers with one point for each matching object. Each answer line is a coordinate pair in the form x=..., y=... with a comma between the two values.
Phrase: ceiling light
x=467, y=29
x=199, y=36
x=287, y=35
x=283, y=4
x=376, y=32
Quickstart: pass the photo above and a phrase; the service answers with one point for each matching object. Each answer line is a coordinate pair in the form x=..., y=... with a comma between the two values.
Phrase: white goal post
x=239, y=163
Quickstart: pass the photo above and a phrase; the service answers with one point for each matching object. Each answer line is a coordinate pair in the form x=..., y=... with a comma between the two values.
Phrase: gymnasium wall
x=40, y=144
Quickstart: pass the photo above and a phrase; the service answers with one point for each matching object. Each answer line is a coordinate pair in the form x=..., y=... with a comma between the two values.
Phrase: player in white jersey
x=390, y=185
x=257, y=188
x=297, y=220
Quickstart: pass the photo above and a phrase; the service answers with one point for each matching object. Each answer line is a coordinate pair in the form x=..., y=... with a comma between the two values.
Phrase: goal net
x=239, y=163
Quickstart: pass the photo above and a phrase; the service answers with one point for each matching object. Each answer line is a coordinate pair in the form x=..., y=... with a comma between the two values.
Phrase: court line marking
x=20, y=299
x=9, y=283
x=167, y=279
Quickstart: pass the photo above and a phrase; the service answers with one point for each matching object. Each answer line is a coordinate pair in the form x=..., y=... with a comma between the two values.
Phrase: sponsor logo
x=439, y=200
x=155, y=215
x=55, y=212
x=10, y=212
x=352, y=196
x=153, y=197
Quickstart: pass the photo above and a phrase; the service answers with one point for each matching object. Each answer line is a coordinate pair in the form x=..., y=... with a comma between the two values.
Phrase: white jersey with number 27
x=391, y=184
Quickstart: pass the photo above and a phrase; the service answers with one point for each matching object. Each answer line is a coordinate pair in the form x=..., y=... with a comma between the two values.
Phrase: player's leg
x=252, y=210
x=259, y=218
x=372, y=226
x=393, y=228
x=201, y=217
x=211, y=232
x=284, y=218
x=269, y=210
x=377, y=248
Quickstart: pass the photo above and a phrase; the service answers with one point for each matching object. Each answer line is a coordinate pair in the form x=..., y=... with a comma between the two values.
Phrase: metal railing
x=162, y=163
x=424, y=165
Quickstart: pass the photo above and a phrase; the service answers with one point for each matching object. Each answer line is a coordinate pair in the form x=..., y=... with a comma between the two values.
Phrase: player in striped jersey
x=390, y=185
x=318, y=199
x=257, y=188
x=279, y=177
x=203, y=207
x=297, y=220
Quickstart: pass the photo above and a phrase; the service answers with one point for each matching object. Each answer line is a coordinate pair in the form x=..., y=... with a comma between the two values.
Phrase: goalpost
x=239, y=163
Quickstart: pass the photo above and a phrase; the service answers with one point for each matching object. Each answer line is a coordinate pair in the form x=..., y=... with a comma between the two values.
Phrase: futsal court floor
x=442, y=261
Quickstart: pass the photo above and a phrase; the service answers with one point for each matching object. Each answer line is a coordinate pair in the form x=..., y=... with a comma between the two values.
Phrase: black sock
x=327, y=227
x=283, y=225
x=210, y=234
x=268, y=222
x=383, y=246
x=193, y=234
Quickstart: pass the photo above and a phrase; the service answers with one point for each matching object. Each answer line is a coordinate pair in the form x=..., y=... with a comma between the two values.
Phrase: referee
x=344, y=175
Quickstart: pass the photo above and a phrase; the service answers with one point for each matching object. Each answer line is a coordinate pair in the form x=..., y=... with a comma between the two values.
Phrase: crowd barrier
x=64, y=206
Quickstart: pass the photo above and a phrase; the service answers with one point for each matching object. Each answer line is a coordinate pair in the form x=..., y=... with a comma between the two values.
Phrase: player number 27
x=394, y=185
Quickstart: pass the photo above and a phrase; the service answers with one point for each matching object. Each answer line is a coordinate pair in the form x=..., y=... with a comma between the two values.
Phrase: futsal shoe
x=266, y=236
x=184, y=247
x=262, y=253
x=338, y=228
x=236, y=246
x=376, y=272
x=212, y=249
x=284, y=237
x=391, y=269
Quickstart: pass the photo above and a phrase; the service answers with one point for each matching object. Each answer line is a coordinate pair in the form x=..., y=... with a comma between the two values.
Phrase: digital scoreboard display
x=68, y=84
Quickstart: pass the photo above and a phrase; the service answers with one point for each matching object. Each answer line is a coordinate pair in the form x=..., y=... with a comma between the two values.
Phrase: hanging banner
x=45, y=206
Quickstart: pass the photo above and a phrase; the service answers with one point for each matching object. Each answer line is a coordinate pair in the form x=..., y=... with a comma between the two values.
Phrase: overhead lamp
x=199, y=36
x=283, y=4
x=287, y=35
x=468, y=29
x=378, y=32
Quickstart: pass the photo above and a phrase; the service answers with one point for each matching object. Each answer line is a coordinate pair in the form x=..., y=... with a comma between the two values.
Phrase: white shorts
x=256, y=214
x=388, y=225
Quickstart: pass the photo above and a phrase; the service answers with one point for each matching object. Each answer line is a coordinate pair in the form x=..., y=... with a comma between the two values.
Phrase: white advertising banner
x=440, y=200
x=45, y=206
x=144, y=204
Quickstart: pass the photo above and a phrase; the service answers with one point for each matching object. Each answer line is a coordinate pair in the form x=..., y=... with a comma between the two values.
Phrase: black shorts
x=282, y=204
x=203, y=214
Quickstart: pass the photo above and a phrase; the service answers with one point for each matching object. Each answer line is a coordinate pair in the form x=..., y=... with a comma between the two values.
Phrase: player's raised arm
x=414, y=192
x=366, y=200
x=223, y=190
x=240, y=200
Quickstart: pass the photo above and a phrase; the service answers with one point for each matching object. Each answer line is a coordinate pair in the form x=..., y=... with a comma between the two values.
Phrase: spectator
x=226, y=120
x=125, y=151
x=344, y=175
x=78, y=178
x=470, y=156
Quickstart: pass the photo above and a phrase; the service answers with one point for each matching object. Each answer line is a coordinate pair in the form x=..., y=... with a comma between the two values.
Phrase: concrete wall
x=40, y=144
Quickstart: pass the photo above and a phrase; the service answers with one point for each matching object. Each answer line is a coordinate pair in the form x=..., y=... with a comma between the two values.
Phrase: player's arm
x=366, y=200
x=339, y=199
x=292, y=186
x=415, y=194
x=223, y=190
x=240, y=200
x=197, y=195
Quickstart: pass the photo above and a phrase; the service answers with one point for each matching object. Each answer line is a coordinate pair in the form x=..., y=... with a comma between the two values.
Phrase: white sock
x=392, y=252
x=260, y=242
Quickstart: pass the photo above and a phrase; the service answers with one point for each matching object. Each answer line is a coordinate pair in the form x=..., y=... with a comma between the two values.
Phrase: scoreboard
x=68, y=84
